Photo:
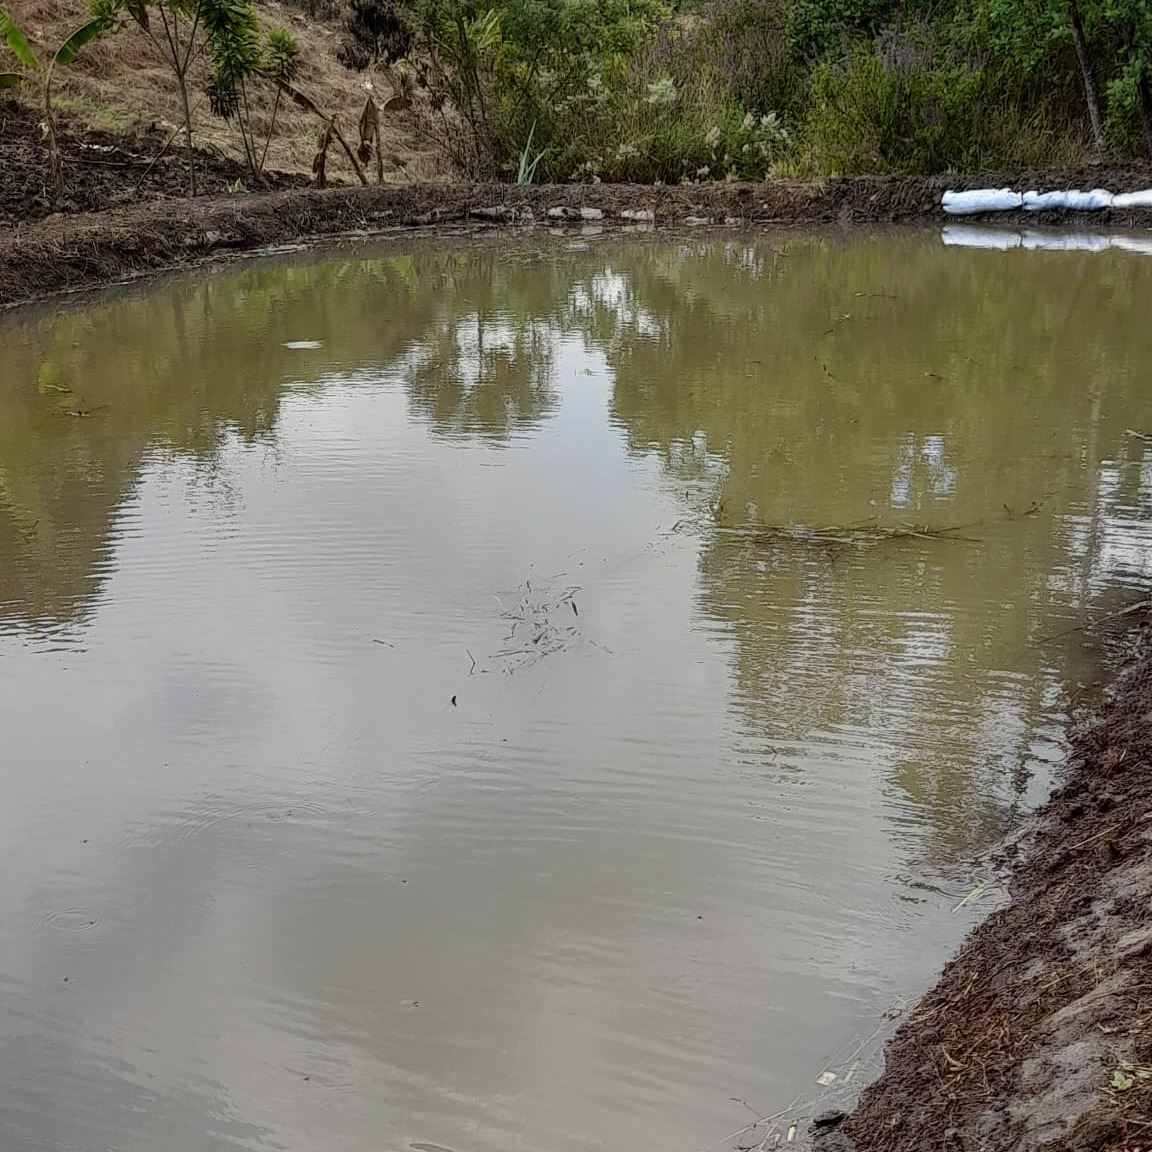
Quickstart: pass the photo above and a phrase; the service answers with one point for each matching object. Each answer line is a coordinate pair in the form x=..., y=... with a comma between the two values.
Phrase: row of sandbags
x=1005, y=200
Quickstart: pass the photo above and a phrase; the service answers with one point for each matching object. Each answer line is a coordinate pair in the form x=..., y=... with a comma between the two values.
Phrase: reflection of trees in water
x=484, y=378
x=826, y=384
x=486, y=367
x=186, y=367
x=801, y=381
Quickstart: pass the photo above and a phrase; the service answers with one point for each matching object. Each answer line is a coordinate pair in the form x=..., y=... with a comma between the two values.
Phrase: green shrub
x=871, y=116
x=674, y=90
x=746, y=43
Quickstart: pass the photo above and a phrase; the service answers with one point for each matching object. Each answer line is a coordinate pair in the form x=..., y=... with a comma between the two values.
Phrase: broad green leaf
x=14, y=38
x=68, y=51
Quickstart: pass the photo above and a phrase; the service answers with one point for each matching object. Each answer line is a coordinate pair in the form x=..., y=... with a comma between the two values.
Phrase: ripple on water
x=70, y=920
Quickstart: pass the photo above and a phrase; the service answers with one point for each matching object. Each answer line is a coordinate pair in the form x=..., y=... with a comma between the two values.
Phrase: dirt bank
x=1039, y=1034
x=69, y=251
x=105, y=169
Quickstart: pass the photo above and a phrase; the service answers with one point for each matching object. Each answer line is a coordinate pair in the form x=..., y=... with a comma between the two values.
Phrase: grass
x=110, y=118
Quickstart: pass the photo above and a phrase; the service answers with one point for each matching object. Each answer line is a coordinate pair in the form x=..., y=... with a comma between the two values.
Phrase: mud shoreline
x=66, y=252
x=1038, y=1036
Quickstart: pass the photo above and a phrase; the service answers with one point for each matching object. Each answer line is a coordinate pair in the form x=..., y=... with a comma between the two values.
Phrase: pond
x=534, y=693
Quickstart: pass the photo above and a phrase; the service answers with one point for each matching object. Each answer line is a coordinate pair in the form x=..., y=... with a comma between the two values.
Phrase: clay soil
x=1038, y=1036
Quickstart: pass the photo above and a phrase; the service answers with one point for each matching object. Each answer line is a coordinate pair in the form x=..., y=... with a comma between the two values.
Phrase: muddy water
x=517, y=695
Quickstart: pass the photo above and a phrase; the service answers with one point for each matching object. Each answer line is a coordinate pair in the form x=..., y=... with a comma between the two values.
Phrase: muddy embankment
x=85, y=249
x=1039, y=1034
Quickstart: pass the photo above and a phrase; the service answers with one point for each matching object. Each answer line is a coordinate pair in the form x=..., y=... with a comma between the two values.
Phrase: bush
x=1126, y=128
x=874, y=115
x=375, y=31
x=817, y=28
x=746, y=43
x=656, y=101
x=673, y=90
x=644, y=126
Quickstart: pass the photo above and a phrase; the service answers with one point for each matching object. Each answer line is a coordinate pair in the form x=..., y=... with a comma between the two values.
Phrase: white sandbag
x=1066, y=242
x=1075, y=200
x=980, y=200
x=969, y=236
x=1088, y=201
x=1141, y=244
x=1044, y=201
x=1133, y=199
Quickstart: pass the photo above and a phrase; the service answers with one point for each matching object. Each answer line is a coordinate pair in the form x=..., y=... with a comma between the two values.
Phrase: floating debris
x=541, y=624
x=863, y=535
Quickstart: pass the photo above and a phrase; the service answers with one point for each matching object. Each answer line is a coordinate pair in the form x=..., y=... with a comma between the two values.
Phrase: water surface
x=516, y=695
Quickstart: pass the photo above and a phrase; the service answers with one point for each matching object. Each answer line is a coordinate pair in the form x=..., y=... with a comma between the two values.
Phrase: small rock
x=558, y=213
x=211, y=239
x=696, y=221
x=733, y=221
x=829, y=1119
x=591, y=214
x=638, y=214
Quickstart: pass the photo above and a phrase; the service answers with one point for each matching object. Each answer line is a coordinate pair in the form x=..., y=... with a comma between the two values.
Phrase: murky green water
x=429, y=715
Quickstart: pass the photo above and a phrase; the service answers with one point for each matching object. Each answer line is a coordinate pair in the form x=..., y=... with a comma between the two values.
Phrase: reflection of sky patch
x=941, y=478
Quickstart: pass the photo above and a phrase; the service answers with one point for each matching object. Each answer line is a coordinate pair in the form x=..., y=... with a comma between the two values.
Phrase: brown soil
x=104, y=169
x=64, y=252
x=1038, y=1036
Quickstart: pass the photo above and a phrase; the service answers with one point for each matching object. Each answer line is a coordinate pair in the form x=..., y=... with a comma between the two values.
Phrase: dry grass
x=118, y=81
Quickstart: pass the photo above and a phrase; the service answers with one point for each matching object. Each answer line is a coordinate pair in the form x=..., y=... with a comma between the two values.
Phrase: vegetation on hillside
x=680, y=90
x=676, y=90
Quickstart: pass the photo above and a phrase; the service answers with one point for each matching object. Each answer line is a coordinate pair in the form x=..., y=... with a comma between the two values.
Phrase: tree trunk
x=1090, y=96
x=55, y=167
x=183, y=85
x=348, y=152
x=271, y=130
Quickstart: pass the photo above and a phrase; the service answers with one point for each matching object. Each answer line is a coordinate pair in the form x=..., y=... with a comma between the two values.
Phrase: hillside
x=119, y=85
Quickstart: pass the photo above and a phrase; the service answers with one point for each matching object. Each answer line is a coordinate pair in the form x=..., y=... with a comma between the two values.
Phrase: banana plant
x=18, y=45
x=64, y=55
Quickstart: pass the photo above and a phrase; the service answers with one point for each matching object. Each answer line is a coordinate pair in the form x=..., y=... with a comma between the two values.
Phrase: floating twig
x=1099, y=620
